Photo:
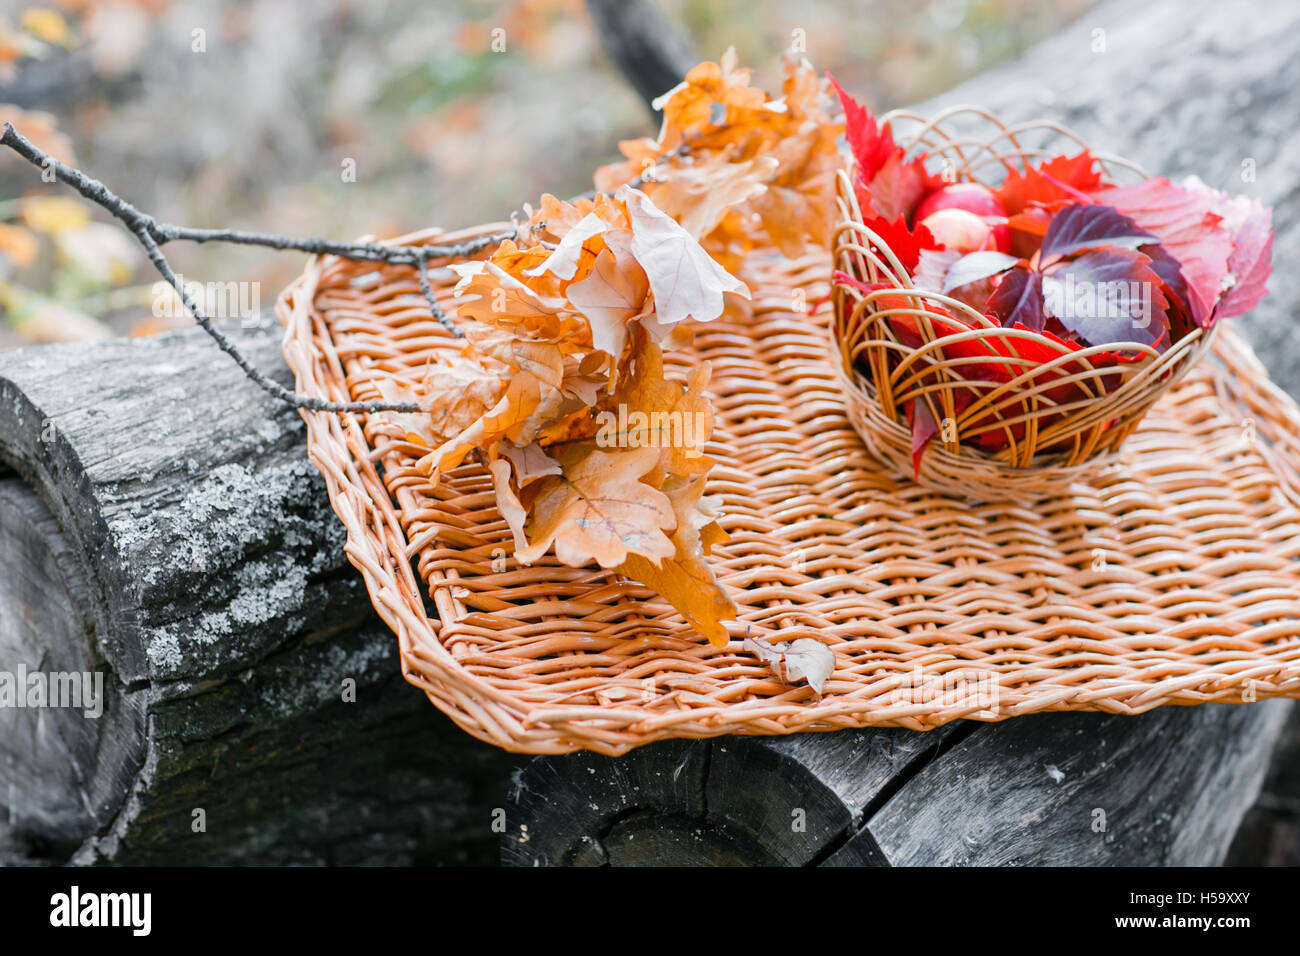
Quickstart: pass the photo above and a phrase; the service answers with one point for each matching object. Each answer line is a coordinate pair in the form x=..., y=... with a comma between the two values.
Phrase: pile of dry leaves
x=560, y=389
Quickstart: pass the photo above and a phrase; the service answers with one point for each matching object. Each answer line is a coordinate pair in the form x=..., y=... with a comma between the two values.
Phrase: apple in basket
x=966, y=232
x=1068, y=259
x=965, y=216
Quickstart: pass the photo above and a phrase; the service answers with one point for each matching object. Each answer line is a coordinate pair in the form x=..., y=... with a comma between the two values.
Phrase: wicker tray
x=1172, y=578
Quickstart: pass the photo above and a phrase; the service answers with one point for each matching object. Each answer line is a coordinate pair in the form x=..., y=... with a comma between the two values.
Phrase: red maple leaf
x=905, y=243
x=872, y=144
x=1059, y=180
x=885, y=182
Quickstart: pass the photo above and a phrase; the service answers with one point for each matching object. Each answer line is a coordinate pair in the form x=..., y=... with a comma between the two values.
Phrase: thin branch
x=370, y=251
x=152, y=235
x=426, y=288
x=275, y=388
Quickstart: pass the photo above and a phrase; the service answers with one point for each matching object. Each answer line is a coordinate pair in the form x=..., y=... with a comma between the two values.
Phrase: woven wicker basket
x=1048, y=445
x=1173, y=578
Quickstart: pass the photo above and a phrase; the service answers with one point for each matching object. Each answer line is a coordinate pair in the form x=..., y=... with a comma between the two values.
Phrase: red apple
x=973, y=197
x=966, y=232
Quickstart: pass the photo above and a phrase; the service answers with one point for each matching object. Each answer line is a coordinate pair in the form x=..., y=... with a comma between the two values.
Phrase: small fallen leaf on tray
x=804, y=659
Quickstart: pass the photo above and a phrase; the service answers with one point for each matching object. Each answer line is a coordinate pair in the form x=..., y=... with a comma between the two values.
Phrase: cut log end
x=69, y=751
x=727, y=802
x=163, y=530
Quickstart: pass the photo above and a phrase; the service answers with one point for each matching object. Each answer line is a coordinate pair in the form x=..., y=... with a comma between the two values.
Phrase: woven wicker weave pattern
x=1173, y=578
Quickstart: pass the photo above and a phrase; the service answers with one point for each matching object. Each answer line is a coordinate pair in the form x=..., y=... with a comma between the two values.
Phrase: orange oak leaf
x=521, y=398
x=698, y=195
x=600, y=510
x=686, y=580
x=714, y=119
x=610, y=296
x=454, y=394
x=514, y=513
x=563, y=261
x=530, y=462
x=648, y=409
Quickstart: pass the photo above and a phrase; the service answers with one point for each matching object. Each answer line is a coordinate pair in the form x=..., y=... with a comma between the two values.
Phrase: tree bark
x=641, y=42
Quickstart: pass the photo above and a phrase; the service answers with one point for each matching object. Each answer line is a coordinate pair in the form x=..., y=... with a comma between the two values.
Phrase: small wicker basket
x=1049, y=444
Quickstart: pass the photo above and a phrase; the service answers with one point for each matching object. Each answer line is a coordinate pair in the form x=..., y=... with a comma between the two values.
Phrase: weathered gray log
x=161, y=525
x=187, y=552
x=1167, y=788
x=1181, y=87
x=1270, y=833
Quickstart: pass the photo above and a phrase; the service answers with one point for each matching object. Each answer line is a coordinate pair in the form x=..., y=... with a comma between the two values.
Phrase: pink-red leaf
x=1185, y=221
x=924, y=428
x=1250, y=263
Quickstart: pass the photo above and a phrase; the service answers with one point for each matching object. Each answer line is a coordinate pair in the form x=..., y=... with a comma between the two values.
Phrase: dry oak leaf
x=600, y=510
x=454, y=396
x=686, y=580
x=804, y=659
x=700, y=194
x=690, y=104
x=651, y=410
x=544, y=359
x=514, y=513
x=685, y=280
x=714, y=120
x=530, y=462
x=563, y=261
x=522, y=396
x=489, y=294
x=610, y=296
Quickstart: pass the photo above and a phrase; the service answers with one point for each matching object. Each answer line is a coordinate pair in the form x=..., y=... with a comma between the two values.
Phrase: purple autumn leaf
x=1108, y=295
x=1019, y=298
x=1078, y=228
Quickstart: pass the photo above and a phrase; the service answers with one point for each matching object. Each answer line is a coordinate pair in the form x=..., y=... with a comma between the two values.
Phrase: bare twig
x=369, y=251
x=426, y=288
x=152, y=235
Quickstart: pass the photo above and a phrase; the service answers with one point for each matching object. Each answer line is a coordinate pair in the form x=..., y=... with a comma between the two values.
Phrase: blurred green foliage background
x=249, y=115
